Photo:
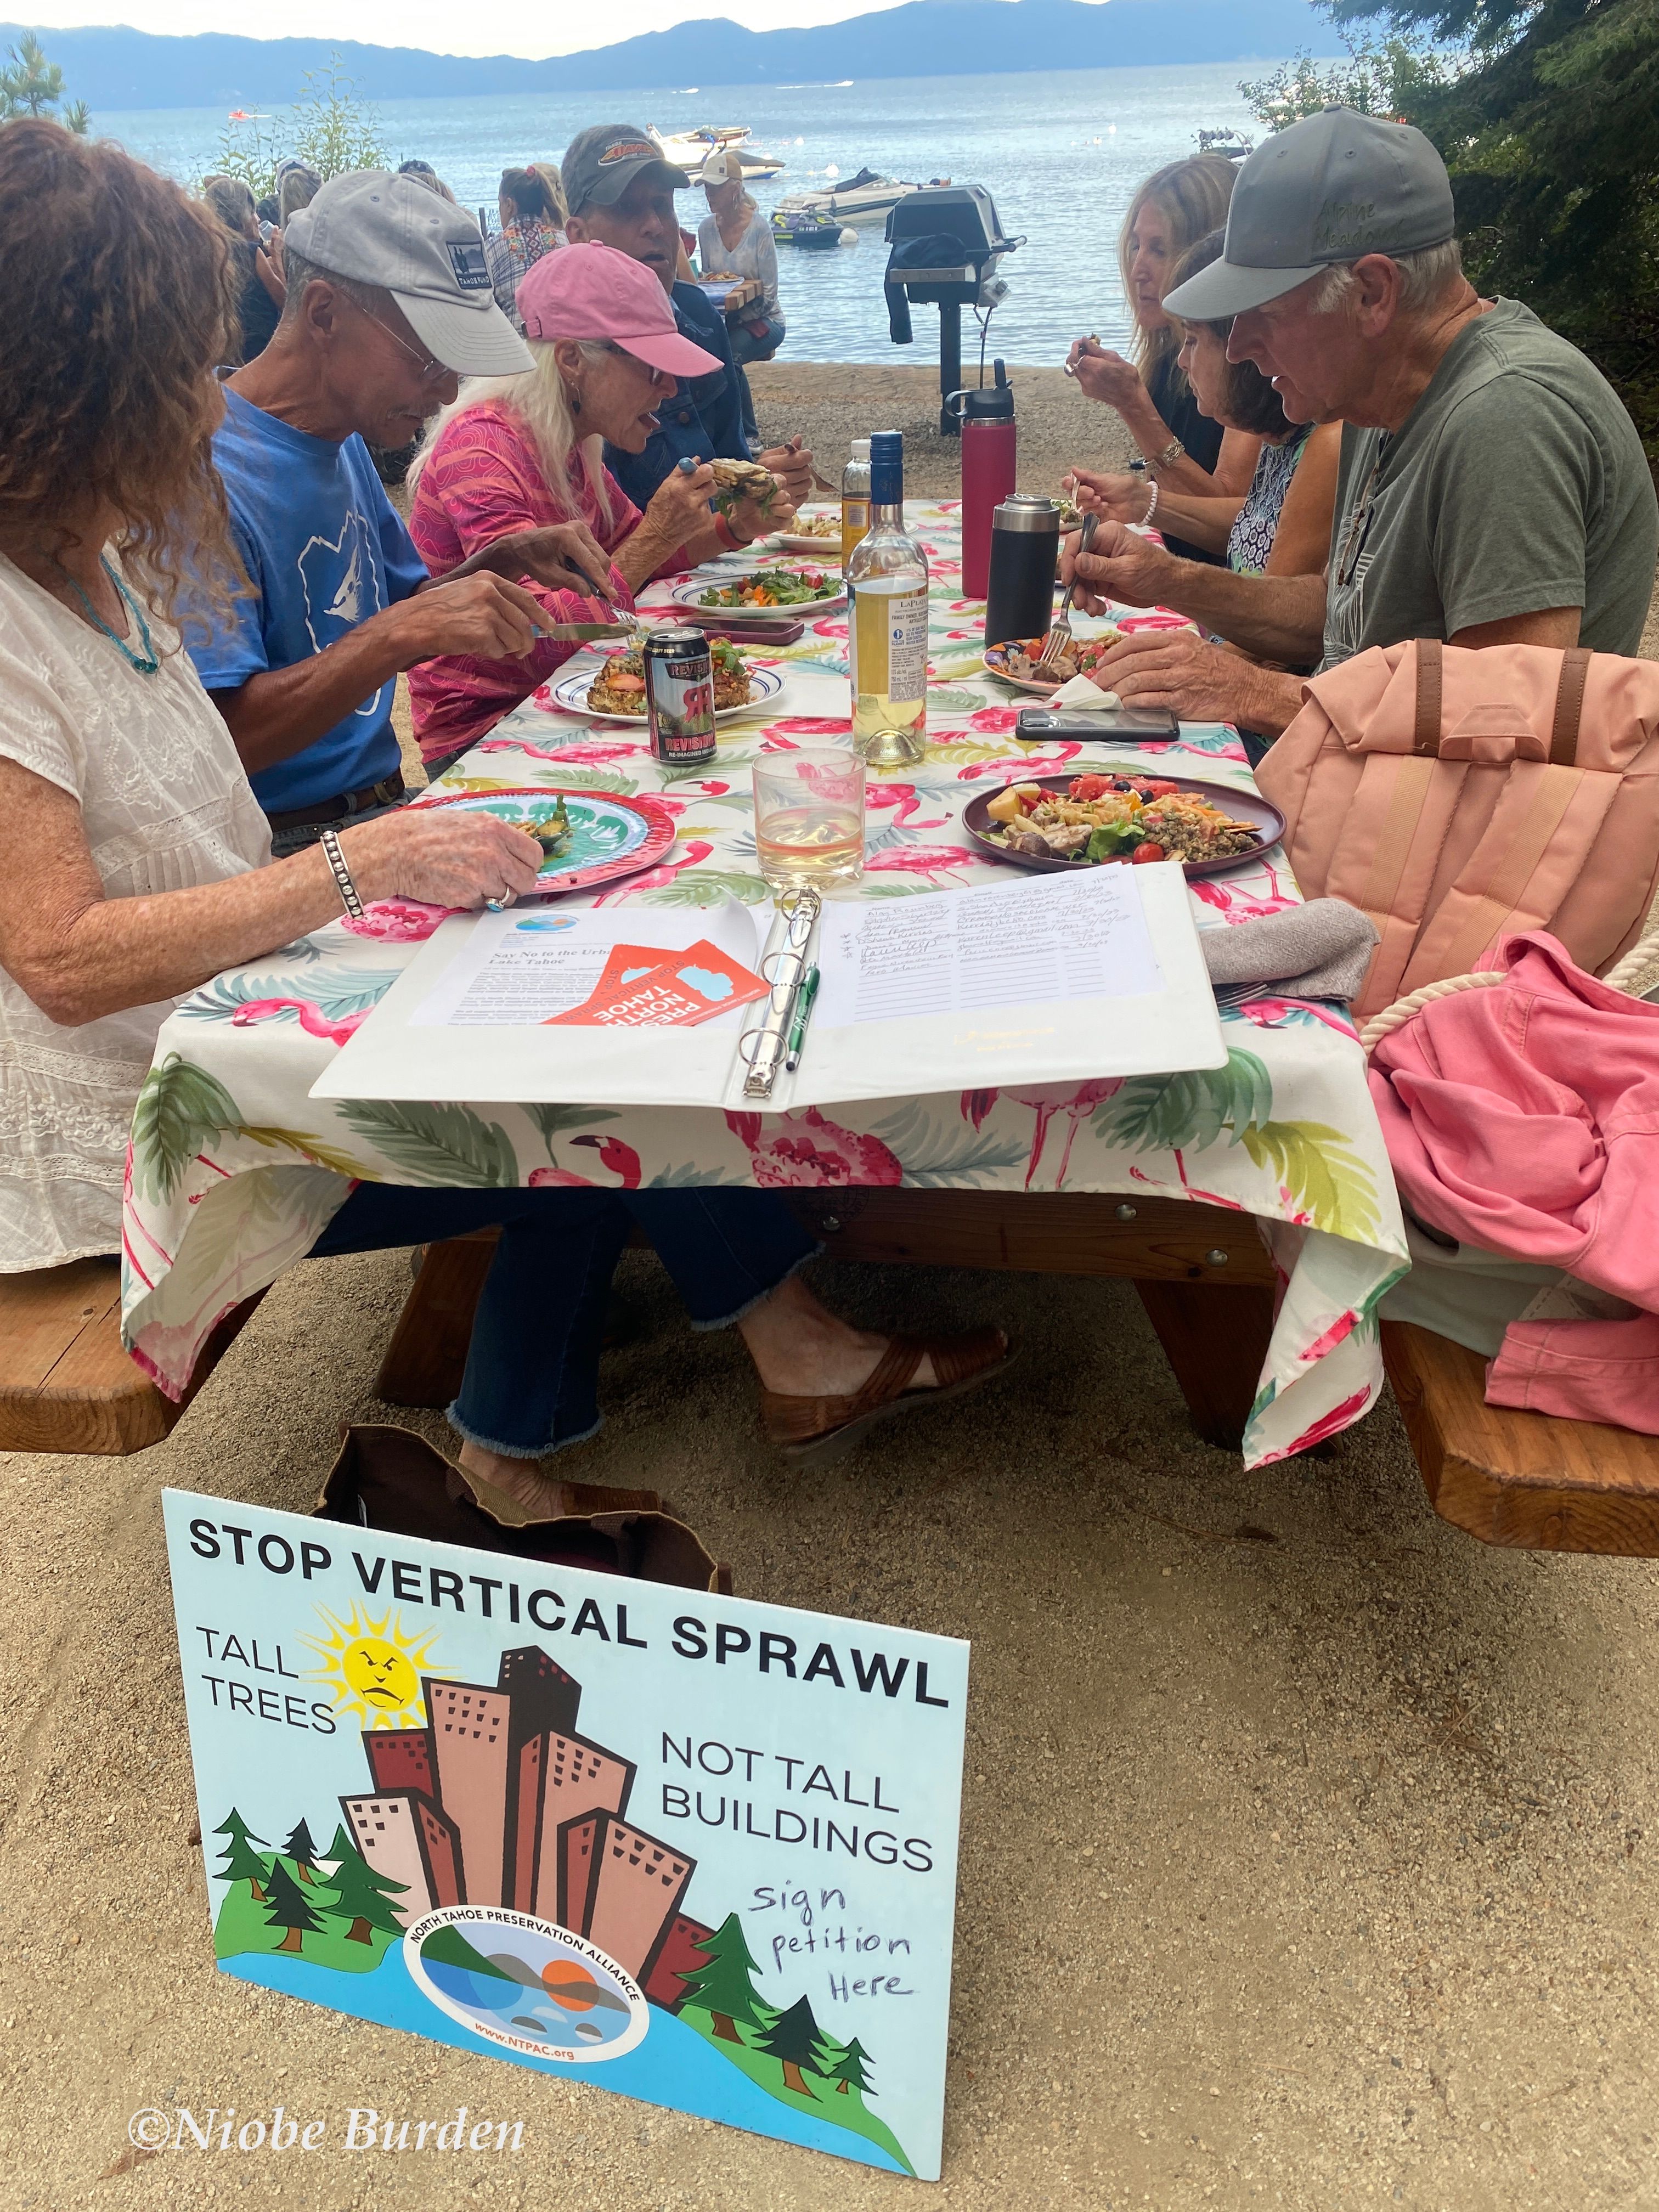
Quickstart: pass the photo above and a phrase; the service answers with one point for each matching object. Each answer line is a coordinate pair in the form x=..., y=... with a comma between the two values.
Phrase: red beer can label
x=679, y=696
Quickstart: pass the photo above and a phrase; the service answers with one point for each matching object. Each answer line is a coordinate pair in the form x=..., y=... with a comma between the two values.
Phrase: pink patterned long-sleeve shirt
x=482, y=481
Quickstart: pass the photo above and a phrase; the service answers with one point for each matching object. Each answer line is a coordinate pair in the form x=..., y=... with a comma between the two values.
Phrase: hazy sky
x=442, y=27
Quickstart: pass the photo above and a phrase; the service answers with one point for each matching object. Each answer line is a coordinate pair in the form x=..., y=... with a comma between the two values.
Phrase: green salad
x=774, y=587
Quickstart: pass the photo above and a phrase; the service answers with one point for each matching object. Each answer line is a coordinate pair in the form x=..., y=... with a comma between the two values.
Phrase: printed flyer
x=696, y=1849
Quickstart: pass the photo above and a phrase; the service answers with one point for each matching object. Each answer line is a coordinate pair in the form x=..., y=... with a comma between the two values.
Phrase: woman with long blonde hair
x=520, y=451
x=1184, y=451
x=735, y=239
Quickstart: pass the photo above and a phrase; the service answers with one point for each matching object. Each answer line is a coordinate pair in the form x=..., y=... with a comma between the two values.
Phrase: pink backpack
x=1455, y=796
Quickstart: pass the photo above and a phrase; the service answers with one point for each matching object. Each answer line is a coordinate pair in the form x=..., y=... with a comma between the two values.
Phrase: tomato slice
x=1085, y=787
x=1148, y=851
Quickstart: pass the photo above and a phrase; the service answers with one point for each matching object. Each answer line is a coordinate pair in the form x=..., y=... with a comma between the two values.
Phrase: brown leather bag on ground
x=1456, y=796
x=394, y=1481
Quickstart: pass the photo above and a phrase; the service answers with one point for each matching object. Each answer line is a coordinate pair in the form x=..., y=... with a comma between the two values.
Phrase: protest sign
x=693, y=1848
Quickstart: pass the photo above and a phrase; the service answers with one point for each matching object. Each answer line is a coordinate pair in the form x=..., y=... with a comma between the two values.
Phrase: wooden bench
x=66, y=1384
x=1515, y=1478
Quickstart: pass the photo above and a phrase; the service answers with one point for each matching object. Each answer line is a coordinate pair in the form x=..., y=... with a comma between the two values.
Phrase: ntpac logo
x=471, y=271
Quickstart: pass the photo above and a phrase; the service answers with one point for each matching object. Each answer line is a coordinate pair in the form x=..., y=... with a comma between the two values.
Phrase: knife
x=585, y=633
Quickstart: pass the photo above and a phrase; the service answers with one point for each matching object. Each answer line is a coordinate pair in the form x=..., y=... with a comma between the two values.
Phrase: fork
x=1060, y=637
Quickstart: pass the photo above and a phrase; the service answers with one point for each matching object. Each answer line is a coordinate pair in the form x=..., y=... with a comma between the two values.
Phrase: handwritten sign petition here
x=1044, y=939
x=693, y=1848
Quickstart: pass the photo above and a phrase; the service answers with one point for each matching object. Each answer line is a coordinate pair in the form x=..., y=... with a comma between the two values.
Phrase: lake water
x=1060, y=154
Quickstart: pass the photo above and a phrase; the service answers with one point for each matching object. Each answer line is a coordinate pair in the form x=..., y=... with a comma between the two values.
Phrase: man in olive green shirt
x=1493, y=489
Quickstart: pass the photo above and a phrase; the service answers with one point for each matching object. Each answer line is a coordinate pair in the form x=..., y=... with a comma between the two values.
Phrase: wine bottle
x=854, y=498
x=887, y=620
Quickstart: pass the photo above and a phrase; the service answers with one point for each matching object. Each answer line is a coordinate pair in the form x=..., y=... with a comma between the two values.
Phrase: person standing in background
x=620, y=191
x=297, y=185
x=425, y=173
x=261, y=298
x=1183, y=450
x=735, y=238
x=531, y=207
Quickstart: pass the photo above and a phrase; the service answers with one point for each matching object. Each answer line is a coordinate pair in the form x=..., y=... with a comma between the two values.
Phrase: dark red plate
x=1241, y=806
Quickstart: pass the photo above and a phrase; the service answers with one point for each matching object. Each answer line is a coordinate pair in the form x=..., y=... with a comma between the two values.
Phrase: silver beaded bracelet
x=343, y=883
x=1151, y=508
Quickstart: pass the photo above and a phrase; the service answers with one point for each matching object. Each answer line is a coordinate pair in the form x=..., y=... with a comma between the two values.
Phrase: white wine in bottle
x=887, y=620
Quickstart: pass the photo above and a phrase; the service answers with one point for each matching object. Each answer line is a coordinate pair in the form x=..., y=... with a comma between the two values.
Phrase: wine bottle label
x=887, y=643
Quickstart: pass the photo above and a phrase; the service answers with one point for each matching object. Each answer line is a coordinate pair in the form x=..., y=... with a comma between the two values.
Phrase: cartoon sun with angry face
x=372, y=1668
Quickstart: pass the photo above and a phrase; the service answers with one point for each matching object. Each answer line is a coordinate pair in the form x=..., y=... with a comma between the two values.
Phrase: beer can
x=679, y=697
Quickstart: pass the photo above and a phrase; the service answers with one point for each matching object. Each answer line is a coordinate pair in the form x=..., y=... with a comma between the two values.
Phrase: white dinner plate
x=689, y=593
x=571, y=694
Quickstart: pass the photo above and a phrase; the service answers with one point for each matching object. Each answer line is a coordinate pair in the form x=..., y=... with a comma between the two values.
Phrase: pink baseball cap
x=592, y=291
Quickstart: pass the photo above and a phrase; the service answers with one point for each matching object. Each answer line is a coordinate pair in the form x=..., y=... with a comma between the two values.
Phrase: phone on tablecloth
x=1122, y=726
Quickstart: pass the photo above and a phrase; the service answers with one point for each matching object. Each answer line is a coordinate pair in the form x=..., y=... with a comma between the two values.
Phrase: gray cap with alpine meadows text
x=392, y=233
x=1334, y=186
x=601, y=162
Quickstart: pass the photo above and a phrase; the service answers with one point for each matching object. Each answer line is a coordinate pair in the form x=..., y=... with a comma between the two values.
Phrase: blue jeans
x=532, y=1376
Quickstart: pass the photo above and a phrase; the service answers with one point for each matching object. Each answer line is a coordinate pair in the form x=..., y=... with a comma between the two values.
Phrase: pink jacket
x=1524, y=1118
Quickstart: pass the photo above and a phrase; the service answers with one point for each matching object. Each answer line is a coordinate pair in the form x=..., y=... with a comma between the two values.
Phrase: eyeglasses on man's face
x=431, y=369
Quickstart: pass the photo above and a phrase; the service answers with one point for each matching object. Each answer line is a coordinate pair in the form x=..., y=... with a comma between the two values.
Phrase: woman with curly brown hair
x=135, y=862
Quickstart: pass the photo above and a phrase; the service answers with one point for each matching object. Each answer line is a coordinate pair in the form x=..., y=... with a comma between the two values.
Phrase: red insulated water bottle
x=988, y=435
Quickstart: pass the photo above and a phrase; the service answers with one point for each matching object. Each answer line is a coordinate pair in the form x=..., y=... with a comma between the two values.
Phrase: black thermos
x=1024, y=554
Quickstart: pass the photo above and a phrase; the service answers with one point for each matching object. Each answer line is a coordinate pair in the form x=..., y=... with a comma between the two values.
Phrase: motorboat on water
x=690, y=149
x=863, y=199
x=810, y=230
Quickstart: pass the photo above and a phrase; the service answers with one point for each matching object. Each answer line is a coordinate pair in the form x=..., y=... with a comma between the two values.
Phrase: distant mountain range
x=115, y=69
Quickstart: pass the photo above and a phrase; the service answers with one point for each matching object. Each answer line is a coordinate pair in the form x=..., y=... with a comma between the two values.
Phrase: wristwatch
x=1170, y=454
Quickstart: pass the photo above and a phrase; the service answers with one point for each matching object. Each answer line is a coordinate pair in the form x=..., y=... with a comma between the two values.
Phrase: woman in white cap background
x=735, y=239
x=518, y=452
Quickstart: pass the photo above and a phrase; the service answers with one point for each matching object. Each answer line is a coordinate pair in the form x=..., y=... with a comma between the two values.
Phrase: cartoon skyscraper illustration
x=401, y=1759
x=620, y=1888
x=406, y=1838
x=560, y=1778
x=469, y=1728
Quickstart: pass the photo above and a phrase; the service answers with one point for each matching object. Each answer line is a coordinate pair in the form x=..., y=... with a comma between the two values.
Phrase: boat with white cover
x=690, y=149
x=863, y=199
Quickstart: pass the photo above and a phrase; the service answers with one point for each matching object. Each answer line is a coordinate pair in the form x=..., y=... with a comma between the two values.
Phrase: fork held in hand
x=1060, y=635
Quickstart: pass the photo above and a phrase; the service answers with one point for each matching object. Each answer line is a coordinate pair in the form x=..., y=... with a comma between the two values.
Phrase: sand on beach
x=1310, y=1850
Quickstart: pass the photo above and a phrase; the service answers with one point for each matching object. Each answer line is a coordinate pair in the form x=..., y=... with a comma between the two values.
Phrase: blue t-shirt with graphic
x=324, y=550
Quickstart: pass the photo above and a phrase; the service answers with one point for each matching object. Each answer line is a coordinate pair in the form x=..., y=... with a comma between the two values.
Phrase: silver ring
x=500, y=905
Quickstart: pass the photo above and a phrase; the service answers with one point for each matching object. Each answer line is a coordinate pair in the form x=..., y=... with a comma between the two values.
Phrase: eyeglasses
x=1360, y=521
x=431, y=369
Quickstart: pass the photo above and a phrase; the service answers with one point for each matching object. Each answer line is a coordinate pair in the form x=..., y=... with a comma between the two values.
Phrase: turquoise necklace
x=146, y=662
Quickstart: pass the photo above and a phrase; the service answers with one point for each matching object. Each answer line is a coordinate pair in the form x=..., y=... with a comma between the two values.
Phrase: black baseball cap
x=601, y=161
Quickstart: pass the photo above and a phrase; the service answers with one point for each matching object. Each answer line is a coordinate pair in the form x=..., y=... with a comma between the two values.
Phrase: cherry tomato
x=1150, y=851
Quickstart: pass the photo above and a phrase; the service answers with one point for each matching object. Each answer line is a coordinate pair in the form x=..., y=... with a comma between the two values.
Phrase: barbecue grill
x=947, y=242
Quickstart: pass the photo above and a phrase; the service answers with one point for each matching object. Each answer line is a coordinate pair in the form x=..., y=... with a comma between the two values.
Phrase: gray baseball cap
x=392, y=233
x=1332, y=187
x=601, y=161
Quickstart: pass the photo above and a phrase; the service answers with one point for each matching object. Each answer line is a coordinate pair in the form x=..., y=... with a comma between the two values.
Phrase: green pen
x=803, y=998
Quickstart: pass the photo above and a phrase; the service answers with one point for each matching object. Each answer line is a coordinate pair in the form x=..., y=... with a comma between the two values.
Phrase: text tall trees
x=723, y=1987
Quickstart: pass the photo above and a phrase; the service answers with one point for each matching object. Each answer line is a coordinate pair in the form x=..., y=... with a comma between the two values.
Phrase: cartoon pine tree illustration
x=846, y=2070
x=289, y=1909
x=793, y=2039
x=723, y=1987
x=361, y=1895
x=300, y=1849
x=241, y=1862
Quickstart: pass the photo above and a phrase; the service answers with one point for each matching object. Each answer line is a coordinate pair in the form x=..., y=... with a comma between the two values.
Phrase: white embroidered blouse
x=166, y=807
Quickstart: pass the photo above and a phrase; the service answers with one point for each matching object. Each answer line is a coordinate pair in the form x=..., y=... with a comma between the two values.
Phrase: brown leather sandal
x=811, y=1431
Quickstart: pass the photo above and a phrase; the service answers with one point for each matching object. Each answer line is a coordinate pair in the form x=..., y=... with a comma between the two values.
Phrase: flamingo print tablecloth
x=234, y=1168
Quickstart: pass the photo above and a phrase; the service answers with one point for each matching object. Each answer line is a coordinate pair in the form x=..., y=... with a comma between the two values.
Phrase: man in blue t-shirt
x=388, y=304
x=620, y=191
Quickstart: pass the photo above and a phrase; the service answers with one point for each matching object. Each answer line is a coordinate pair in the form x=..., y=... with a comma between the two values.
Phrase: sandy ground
x=1307, y=1846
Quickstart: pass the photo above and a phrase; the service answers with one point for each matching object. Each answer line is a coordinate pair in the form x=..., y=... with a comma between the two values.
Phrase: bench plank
x=66, y=1382
x=1516, y=1478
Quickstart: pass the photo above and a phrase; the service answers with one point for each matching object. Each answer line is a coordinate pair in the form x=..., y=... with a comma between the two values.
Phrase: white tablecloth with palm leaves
x=235, y=1168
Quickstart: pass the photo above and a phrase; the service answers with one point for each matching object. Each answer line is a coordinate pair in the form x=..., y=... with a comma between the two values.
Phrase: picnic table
x=235, y=1170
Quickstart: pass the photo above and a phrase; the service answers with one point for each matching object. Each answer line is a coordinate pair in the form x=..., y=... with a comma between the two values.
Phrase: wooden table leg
x=1215, y=1338
x=424, y=1361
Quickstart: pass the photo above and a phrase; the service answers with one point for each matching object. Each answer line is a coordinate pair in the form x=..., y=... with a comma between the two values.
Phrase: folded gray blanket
x=1319, y=951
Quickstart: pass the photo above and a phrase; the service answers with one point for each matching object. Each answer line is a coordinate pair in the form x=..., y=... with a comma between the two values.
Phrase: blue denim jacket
x=705, y=417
